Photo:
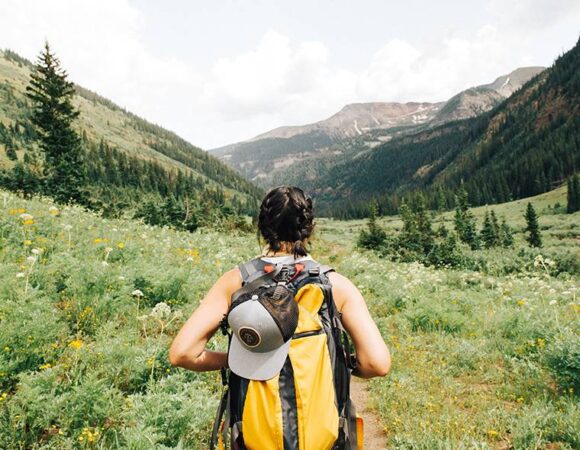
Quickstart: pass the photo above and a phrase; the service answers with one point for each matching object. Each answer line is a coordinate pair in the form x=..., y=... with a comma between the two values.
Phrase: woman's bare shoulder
x=342, y=289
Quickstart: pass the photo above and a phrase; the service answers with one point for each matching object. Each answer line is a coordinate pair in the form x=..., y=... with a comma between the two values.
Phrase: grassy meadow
x=88, y=307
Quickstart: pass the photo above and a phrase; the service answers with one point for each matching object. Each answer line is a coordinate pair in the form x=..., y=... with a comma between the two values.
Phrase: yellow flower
x=28, y=222
x=27, y=242
x=76, y=344
x=121, y=245
x=45, y=366
x=98, y=241
x=521, y=302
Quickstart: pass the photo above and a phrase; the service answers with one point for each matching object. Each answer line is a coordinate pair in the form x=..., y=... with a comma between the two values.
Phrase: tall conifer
x=53, y=114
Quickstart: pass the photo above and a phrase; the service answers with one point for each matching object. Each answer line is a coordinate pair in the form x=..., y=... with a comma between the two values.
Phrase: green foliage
x=464, y=221
x=534, y=237
x=573, y=194
x=505, y=234
x=53, y=115
x=562, y=357
x=90, y=306
x=375, y=237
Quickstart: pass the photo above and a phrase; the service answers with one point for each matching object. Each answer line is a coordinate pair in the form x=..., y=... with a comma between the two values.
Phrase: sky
x=222, y=71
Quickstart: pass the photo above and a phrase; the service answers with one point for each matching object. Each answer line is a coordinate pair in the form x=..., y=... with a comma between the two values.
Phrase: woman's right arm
x=373, y=356
x=188, y=347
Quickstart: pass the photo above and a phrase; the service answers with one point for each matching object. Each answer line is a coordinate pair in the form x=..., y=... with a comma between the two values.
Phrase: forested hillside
x=132, y=164
x=527, y=145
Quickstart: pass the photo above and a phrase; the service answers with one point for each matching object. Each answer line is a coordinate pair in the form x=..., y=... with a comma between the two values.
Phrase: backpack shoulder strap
x=251, y=269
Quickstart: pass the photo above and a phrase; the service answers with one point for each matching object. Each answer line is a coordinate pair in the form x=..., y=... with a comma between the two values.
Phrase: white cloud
x=282, y=81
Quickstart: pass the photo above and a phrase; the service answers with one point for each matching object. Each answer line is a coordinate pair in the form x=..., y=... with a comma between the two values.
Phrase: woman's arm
x=188, y=347
x=373, y=357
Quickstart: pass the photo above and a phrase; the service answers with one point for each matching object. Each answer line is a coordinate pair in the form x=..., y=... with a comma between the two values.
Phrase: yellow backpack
x=307, y=405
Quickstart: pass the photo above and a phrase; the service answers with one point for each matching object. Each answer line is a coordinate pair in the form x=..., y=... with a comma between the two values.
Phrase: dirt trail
x=374, y=437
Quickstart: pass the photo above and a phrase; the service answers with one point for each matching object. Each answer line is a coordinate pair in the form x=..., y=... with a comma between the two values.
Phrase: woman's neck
x=282, y=252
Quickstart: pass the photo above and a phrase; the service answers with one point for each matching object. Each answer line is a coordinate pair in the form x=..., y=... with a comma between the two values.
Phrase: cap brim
x=254, y=365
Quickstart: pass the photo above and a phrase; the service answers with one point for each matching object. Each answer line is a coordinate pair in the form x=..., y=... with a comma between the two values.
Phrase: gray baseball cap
x=262, y=328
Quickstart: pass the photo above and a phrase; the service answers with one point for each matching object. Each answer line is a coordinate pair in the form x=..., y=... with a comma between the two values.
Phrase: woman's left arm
x=188, y=347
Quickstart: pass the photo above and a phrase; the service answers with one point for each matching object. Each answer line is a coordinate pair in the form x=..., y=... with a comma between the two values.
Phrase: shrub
x=562, y=358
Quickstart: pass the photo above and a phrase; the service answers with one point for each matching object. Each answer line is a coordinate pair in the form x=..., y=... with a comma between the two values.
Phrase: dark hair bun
x=286, y=216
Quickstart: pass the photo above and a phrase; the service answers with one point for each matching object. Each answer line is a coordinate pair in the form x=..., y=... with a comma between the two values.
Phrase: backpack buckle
x=314, y=272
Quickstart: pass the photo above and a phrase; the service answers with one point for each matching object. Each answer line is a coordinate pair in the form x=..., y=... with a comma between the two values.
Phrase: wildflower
x=76, y=344
x=27, y=242
x=26, y=217
x=108, y=250
x=137, y=293
x=45, y=366
x=161, y=310
x=104, y=263
x=121, y=245
x=20, y=275
x=31, y=259
x=36, y=251
x=553, y=302
x=67, y=227
x=53, y=210
x=521, y=302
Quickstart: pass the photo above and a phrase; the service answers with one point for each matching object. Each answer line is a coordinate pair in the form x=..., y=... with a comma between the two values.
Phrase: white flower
x=108, y=250
x=20, y=275
x=121, y=277
x=26, y=216
x=67, y=227
x=553, y=302
x=104, y=263
x=160, y=310
x=31, y=259
x=137, y=293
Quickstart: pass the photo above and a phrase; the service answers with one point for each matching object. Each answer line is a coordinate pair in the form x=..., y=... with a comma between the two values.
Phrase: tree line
x=418, y=240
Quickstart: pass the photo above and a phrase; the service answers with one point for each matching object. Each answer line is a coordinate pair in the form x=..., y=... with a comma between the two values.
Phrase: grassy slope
x=80, y=354
x=100, y=120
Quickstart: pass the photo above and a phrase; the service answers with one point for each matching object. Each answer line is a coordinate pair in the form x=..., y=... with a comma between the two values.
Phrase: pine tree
x=375, y=237
x=488, y=235
x=506, y=237
x=464, y=220
x=495, y=226
x=534, y=237
x=573, y=195
x=423, y=221
x=53, y=115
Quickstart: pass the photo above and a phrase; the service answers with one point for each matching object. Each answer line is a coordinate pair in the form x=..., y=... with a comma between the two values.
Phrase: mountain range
x=357, y=127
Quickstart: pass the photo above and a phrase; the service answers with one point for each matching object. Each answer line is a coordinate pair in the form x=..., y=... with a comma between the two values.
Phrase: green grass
x=479, y=360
